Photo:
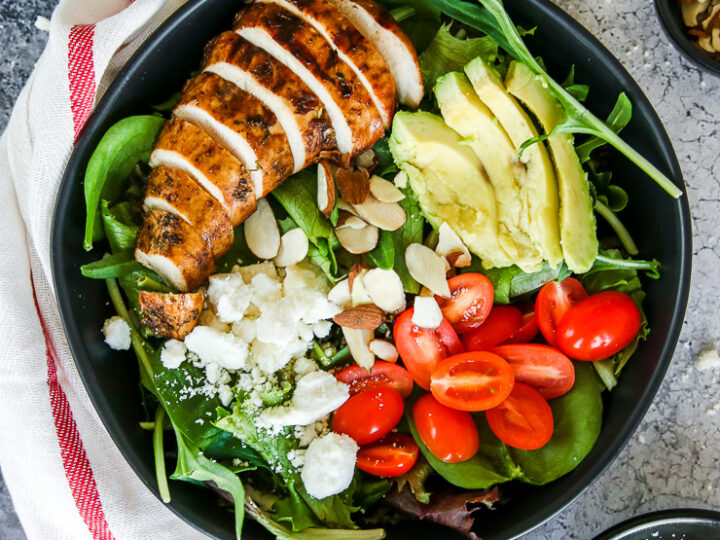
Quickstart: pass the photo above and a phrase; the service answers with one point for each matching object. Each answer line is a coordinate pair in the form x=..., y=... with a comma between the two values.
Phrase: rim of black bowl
x=646, y=523
x=668, y=12
x=642, y=105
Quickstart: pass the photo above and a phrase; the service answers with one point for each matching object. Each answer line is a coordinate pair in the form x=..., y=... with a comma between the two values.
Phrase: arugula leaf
x=448, y=53
x=193, y=466
x=494, y=21
x=126, y=143
x=119, y=228
x=159, y=454
x=415, y=479
x=618, y=118
x=577, y=418
x=578, y=91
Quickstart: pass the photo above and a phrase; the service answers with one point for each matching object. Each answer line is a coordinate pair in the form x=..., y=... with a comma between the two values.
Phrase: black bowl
x=675, y=29
x=680, y=524
x=661, y=226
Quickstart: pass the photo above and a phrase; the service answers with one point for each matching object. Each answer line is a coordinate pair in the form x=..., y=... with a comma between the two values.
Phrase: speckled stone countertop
x=672, y=459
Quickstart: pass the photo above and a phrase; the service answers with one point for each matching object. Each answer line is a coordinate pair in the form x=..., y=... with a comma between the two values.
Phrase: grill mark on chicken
x=184, y=146
x=174, y=191
x=170, y=315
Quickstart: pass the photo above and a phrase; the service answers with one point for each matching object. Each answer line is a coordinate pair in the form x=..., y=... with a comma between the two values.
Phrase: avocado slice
x=465, y=113
x=448, y=180
x=577, y=219
x=542, y=189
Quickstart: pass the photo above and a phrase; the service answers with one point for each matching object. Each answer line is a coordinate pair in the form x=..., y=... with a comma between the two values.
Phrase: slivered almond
x=385, y=216
x=325, y=189
x=385, y=191
x=358, y=241
x=384, y=350
x=366, y=317
x=367, y=160
x=354, y=272
x=261, y=232
x=346, y=219
x=428, y=268
x=353, y=185
x=385, y=289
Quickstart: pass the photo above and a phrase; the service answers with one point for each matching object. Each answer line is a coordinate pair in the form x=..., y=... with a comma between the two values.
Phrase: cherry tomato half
x=422, y=348
x=369, y=415
x=393, y=455
x=502, y=323
x=470, y=302
x=472, y=381
x=524, y=420
x=450, y=435
x=553, y=301
x=599, y=326
x=382, y=375
x=528, y=329
x=544, y=368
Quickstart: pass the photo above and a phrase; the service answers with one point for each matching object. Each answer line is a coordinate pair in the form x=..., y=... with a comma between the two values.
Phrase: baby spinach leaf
x=120, y=231
x=383, y=256
x=578, y=418
x=112, y=266
x=126, y=143
x=421, y=25
x=411, y=232
x=239, y=253
x=385, y=165
x=511, y=282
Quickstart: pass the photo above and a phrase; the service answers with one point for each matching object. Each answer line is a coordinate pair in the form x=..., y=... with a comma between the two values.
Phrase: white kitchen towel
x=66, y=477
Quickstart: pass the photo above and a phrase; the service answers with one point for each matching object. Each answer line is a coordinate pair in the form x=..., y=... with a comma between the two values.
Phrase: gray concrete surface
x=672, y=459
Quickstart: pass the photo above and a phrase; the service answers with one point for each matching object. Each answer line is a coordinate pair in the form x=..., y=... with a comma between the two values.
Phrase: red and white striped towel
x=66, y=478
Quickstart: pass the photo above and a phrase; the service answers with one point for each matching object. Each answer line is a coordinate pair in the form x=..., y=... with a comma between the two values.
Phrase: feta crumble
x=117, y=333
x=329, y=465
x=216, y=347
x=173, y=354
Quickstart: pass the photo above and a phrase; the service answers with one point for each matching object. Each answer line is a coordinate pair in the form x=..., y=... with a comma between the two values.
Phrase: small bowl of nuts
x=693, y=26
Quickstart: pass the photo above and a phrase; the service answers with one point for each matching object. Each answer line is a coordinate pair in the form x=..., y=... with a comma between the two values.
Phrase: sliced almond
x=358, y=241
x=358, y=294
x=385, y=191
x=342, y=204
x=325, y=189
x=385, y=289
x=385, y=216
x=357, y=342
x=261, y=232
x=346, y=219
x=367, y=160
x=294, y=247
x=401, y=180
x=340, y=293
x=354, y=272
x=450, y=243
x=384, y=350
x=428, y=268
x=426, y=312
x=367, y=317
x=353, y=185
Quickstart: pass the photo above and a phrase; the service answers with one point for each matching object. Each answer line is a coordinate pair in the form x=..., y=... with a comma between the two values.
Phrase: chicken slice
x=299, y=46
x=182, y=145
x=378, y=26
x=296, y=107
x=352, y=48
x=171, y=190
x=241, y=123
x=171, y=315
x=170, y=246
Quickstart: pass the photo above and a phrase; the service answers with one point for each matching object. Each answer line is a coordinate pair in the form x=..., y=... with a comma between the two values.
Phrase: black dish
x=681, y=524
x=661, y=226
x=676, y=31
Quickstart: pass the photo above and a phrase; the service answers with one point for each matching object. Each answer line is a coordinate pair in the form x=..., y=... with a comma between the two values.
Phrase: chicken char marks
x=294, y=83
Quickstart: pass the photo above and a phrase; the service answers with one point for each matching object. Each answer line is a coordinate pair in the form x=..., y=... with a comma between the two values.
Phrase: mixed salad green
x=221, y=445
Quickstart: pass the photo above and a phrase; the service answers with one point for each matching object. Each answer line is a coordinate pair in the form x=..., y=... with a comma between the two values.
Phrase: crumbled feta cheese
x=329, y=465
x=708, y=359
x=213, y=346
x=426, y=312
x=173, y=354
x=252, y=270
x=307, y=434
x=316, y=394
x=322, y=329
x=117, y=333
x=303, y=366
x=225, y=394
x=229, y=296
x=296, y=458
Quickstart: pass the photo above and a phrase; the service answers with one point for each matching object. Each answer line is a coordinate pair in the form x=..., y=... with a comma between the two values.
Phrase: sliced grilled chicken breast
x=184, y=146
x=297, y=108
x=171, y=190
x=171, y=315
x=378, y=26
x=303, y=49
x=241, y=123
x=169, y=245
x=352, y=48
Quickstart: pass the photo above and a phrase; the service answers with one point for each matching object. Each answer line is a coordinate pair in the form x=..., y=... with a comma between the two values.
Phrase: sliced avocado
x=542, y=192
x=577, y=219
x=465, y=113
x=448, y=180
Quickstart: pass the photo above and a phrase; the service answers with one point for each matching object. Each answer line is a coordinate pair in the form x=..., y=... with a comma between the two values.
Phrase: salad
x=388, y=334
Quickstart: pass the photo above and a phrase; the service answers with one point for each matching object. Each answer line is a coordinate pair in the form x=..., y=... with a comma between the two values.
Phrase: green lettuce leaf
x=421, y=25
x=119, y=226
